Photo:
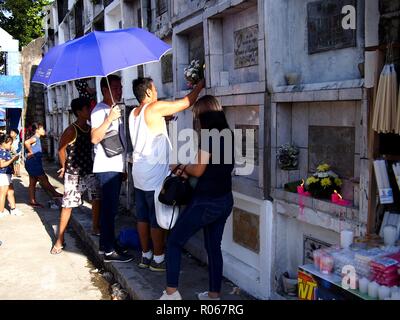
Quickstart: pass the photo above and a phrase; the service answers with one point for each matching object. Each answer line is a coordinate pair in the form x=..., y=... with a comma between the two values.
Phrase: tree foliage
x=23, y=18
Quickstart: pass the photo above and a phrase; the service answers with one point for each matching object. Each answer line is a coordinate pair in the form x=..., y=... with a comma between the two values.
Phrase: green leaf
x=23, y=19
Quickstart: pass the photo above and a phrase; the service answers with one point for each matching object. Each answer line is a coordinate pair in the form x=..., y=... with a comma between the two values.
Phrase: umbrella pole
x=109, y=88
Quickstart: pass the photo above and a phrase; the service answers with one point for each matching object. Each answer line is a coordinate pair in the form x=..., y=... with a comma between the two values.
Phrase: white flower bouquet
x=194, y=73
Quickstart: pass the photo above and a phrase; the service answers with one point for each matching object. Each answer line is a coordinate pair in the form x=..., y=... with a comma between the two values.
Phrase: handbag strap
x=172, y=218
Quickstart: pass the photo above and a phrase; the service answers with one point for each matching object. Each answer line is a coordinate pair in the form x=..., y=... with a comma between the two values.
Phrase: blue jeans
x=209, y=214
x=110, y=185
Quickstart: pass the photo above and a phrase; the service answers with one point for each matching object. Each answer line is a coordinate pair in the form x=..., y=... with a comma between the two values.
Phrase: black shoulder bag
x=112, y=143
x=175, y=191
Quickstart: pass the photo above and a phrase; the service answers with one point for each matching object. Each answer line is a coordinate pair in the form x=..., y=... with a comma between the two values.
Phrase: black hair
x=78, y=104
x=213, y=120
x=5, y=138
x=111, y=78
x=35, y=126
x=140, y=86
x=13, y=130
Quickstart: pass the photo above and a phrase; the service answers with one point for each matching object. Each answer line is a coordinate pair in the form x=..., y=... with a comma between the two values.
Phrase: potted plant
x=323, y=182
x=288, y=157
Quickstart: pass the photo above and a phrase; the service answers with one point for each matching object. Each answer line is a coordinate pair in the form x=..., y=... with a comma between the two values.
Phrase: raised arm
x=168, y=108
x=98, y=133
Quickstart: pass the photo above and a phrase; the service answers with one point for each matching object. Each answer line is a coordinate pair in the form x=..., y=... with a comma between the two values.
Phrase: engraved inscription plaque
x=246, y=47
x=166, y=68
x=325, y=31
x=246, y=229
x=334, y=146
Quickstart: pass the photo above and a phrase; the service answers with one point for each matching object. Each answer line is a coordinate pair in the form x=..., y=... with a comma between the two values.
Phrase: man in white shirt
x=150, y=162
x=109, y=171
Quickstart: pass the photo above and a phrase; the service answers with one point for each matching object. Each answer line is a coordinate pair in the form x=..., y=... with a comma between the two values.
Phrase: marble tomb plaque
x=334, y=146
x=166, y=68
x=324, y=22
x=246, y=229
x=246, y=47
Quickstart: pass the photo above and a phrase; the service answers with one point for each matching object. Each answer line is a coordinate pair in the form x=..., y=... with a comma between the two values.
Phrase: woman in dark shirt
x=212, y=201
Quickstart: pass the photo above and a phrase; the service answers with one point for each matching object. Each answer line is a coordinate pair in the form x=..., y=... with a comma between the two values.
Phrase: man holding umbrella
x=109, y=169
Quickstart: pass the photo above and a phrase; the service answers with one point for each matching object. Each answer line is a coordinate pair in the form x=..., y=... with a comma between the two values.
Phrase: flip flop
x=36, y=205
x=56, y=250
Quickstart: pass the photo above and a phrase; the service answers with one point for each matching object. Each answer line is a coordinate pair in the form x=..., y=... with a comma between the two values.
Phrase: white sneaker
x=16, y=212
x=175, y=296
x=205, y=296
x=4, y=213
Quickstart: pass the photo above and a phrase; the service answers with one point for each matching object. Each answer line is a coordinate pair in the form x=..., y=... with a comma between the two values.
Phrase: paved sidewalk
x=27, y=269
x=144, y=284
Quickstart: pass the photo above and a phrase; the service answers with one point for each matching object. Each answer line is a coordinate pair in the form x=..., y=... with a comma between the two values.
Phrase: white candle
x=373, y=289
x=395, y=296
x=383, y=292
x=346, y=238
x=363, y=285
x=390, y=235
x=394, y=289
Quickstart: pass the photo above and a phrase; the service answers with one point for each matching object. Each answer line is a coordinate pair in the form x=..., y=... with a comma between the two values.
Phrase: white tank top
x=150, y=153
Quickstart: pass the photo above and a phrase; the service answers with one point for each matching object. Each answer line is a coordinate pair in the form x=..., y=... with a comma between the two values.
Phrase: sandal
x=36, y=205
x=56, y=250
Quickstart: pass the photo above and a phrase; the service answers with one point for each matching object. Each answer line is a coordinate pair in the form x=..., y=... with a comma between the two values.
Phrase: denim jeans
x=110, y=185
x=209, y=214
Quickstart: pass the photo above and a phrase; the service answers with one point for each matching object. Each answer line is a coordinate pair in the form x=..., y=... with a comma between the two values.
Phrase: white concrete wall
x=11, y=46
x=288, y=243
x=249, y=270
x=287, y=47
x=231, y=24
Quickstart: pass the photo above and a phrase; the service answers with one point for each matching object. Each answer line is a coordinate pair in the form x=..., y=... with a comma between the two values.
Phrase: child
x=75, y=154
x=6, y=170
x=15, y=149
x=34, y=166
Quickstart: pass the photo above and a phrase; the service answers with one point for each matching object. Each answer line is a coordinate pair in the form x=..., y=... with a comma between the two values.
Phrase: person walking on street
x=150, y=162
x=75, y=155
x=108, y=169
x=6, y=171
x=34, y=166
x=212, y=201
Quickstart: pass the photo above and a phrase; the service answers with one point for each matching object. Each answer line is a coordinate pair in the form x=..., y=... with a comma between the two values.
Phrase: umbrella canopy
x=99, y=54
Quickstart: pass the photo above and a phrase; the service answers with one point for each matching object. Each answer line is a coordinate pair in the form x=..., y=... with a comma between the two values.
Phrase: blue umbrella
x=99, y=54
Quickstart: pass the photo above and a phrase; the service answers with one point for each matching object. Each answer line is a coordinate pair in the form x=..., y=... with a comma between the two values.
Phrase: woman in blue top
x=212, y=200
x=34, y=166
x=6, y=170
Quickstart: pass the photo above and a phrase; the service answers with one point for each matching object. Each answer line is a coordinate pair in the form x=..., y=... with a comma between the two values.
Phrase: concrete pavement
x=28, y=270
x=143, y=284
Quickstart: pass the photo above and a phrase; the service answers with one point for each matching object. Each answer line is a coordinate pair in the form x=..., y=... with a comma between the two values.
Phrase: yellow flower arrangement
x=338, y=182
x=323, y=182
x=326, y=182
x=323, y=167
x=311, y=180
